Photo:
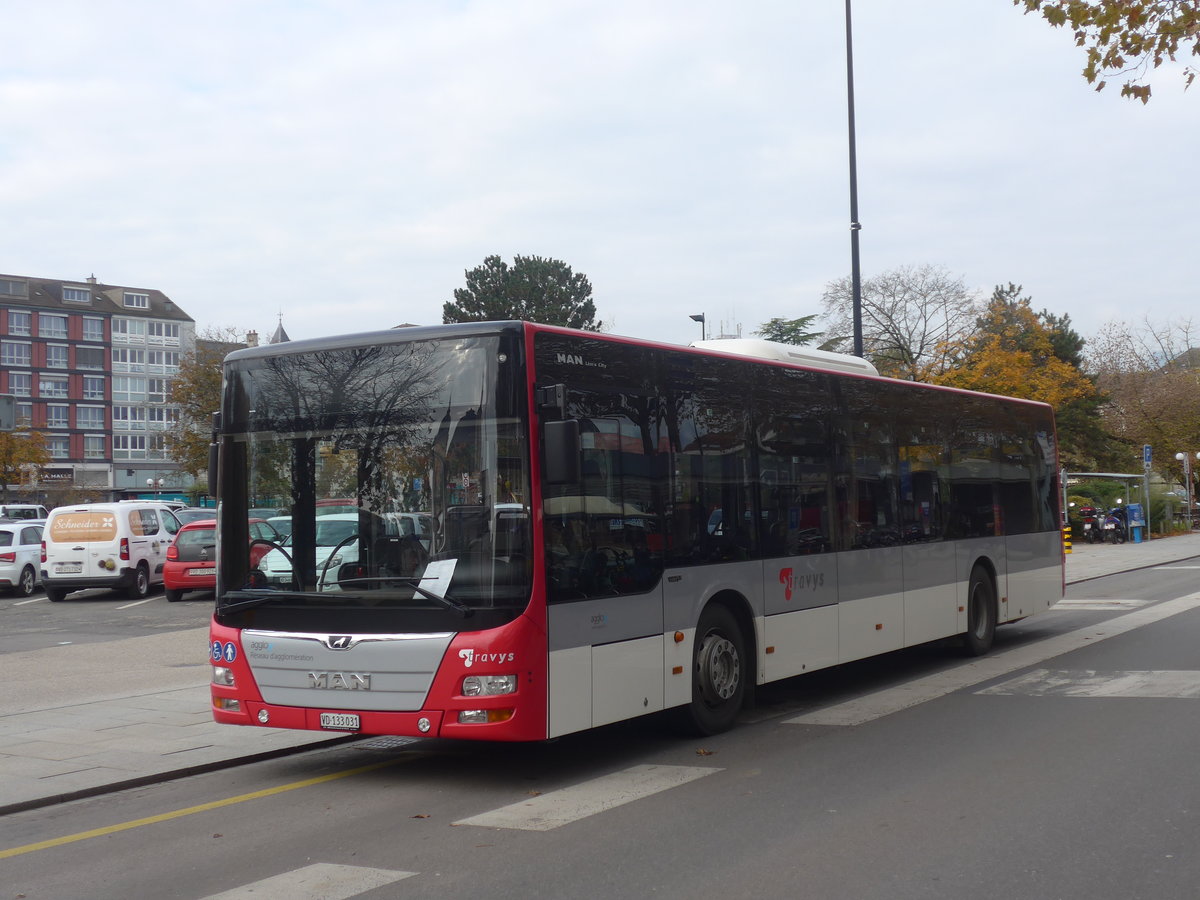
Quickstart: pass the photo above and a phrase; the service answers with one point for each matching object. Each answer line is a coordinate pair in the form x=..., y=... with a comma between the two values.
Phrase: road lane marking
x=24, y=602
x=192, y=810
x=1166, y=684
x=320, y=881
x=920, y=690
x=1177, y=567
x=570, y=804
x=135, y=603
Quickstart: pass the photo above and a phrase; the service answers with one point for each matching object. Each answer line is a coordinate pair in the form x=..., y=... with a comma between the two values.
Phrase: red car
x=192, y=557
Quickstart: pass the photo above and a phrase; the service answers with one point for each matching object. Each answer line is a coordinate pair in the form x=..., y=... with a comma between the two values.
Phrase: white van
x=106, y=545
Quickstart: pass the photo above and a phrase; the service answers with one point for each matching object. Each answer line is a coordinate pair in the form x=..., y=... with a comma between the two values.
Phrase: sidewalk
x=91, y=718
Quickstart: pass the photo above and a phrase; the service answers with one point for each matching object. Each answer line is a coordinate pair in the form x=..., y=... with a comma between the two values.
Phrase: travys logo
x=470, y=657
x=805, y=581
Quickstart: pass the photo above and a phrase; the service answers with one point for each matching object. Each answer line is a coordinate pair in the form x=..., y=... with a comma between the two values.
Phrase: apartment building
x=90, y=366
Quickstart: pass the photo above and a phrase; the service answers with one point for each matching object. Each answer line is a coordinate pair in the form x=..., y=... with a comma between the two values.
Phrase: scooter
x=1091, y=525
x=1114, y=528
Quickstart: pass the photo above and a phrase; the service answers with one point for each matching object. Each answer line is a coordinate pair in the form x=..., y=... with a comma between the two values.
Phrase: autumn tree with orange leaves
x=1017, y=352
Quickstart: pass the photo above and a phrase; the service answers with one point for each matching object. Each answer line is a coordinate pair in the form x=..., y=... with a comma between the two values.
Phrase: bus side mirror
x=214, y=457
x=560, y=462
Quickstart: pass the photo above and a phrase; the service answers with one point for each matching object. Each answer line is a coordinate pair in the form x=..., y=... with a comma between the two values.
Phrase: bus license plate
x=340, y=721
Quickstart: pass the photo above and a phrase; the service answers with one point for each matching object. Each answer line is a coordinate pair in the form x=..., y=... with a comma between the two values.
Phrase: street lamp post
x=154, y=484
x=699, y=317
x=855, y=225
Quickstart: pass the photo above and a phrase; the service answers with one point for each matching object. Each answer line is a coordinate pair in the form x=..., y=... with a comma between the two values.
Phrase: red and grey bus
x=611, y=527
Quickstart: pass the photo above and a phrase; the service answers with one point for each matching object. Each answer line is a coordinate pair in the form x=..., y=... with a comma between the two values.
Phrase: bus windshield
x=403, y=467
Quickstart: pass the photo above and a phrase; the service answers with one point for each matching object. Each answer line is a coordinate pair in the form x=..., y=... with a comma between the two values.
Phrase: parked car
x=335, y=532
x=23, y=511
x=192, y=557
x=119, y=545
x=20, y=556
x=194, y=514
x=281, y=524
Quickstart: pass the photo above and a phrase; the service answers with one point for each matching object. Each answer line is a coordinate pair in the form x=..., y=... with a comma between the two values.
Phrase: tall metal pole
x=855, y=226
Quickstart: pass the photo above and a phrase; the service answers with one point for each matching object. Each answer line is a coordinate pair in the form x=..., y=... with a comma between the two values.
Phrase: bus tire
x=981, y=613
x=140, y=589
x=719, y=672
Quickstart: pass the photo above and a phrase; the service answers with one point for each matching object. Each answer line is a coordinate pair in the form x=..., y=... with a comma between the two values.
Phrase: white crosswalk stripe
x=320, y=881
x=1090, y=683
x=921, y=690
x=562, y=807
x=1079, y=603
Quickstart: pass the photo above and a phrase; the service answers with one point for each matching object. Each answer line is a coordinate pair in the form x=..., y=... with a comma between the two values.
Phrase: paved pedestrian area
x=90, y=718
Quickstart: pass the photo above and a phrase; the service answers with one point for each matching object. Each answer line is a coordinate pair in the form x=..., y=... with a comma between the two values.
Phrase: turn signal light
x=484, y=716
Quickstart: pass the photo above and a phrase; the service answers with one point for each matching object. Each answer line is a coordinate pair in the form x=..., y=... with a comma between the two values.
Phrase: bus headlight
x=488, y=685
x=222, y=676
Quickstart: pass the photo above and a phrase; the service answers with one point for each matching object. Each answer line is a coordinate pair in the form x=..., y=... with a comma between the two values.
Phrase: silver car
x=20, y=556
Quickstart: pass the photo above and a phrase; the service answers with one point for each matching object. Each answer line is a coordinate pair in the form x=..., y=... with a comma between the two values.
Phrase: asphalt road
x=1062, y=766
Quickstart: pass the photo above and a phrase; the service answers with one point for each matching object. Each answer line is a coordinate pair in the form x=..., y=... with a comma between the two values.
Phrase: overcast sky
x=343, y=163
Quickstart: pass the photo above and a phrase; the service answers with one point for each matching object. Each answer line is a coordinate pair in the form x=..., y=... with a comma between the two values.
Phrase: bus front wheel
x=981, y=613
x=719, y=672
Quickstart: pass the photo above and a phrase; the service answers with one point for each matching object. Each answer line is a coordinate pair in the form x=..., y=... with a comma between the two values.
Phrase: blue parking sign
x=1146, y=456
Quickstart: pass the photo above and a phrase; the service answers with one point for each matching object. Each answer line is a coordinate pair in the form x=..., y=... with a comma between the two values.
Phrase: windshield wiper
x=461, y=610
x=252, y=599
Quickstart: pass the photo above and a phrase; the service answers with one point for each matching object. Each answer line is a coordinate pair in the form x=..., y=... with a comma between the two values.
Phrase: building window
x=91, y=417
x=56, y=356
x=161, y=417
x=164, y=362
x=25, y=414
x=59, y=447
x=158, y=447
x=52, y=326
x=12, y=288
x=89, y=358
x=126, y=330
x=129, y=418
x=163, y=333
x=157, y=390
x=52, y=386
x=93, y=388
x=135, y=300
x=77, y=295
x=93, y=329
x=20, y=323
x=129, y=390
x=126, y=359
x=93, y=446
x=129, y=446
x=14, y=353
x=20, y=384
x=58, y=415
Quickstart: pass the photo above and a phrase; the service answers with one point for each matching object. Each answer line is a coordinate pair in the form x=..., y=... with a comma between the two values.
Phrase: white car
x=23, y=511
x=337, y=532
x=20, y=556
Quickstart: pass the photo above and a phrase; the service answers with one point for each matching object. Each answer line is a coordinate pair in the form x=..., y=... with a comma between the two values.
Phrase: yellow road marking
x=191, y=810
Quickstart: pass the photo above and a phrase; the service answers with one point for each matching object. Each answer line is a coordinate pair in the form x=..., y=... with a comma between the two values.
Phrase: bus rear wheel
x=719, y=673
x=981, y=613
